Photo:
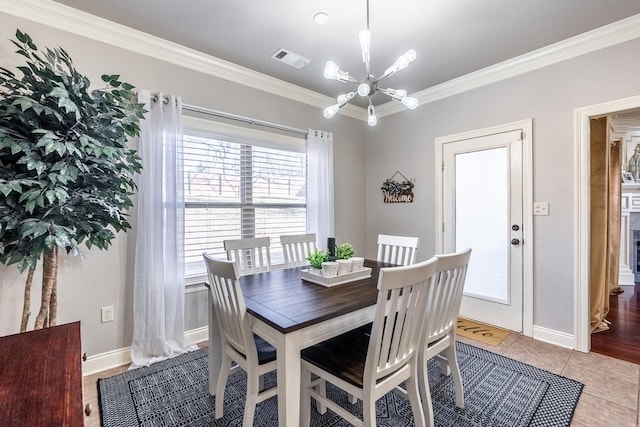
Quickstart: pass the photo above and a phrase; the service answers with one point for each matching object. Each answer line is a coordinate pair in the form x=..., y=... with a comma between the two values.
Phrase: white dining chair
x=239, y=344
x=399, y=250
x=368, y=366
x=252, y=254
x=442, y=310
x=296, y=248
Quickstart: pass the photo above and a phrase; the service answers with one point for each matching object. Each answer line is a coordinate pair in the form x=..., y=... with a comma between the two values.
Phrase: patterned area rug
x=498, y=392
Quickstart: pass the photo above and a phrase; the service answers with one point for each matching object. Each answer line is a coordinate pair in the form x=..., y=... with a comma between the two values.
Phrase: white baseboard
x=122, y=356
x=561, y=339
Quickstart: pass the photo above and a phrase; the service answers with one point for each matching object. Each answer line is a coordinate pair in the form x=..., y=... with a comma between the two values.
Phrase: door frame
x=581, y=191
x=526, y=126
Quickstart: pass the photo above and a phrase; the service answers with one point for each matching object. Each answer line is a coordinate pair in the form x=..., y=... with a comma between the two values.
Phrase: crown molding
x=591, y=41
x=59, y=16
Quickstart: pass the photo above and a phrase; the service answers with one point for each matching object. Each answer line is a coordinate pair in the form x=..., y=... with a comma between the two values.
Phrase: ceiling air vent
x=290, y=58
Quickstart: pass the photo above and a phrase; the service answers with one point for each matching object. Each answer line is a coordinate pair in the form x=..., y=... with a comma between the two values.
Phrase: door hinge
x=522, y=135
x=442, y=166
x=443, y=227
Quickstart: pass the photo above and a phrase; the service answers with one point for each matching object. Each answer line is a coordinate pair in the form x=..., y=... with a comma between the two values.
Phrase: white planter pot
x=344, y=266
x=357, y=263
x=329, y=269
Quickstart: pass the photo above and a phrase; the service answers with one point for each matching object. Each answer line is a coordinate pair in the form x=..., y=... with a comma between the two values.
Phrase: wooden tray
x=340, y=279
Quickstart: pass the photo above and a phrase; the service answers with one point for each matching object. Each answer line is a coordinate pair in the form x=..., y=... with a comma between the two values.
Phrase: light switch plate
x=541, y=208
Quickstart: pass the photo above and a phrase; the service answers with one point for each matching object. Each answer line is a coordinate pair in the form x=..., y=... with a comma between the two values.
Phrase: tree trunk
x=26, y=304
x=49, y=262
x=53, y=304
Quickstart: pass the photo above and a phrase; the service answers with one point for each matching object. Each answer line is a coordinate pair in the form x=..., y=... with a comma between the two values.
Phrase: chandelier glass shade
x=369, y=84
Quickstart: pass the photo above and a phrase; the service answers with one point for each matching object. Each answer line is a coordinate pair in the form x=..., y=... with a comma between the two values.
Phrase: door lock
x=515, y=242
x=515, y=227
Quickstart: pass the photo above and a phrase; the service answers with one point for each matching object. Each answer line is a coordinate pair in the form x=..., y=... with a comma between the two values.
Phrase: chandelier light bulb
x=364, y=89
x=365, y=43
x=331, y=70
x=409, y=102
x=345, y=97
x=371, y=119
x=331, y=111
x=410, y=55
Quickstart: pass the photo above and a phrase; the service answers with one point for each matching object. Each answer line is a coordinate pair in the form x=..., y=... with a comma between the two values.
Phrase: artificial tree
x=66, y=170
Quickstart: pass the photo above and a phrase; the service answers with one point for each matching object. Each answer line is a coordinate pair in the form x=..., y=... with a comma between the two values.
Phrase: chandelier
x=369, y=84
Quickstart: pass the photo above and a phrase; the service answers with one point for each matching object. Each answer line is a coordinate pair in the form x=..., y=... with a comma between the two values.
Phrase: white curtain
x=320, y=185
x=158, y=288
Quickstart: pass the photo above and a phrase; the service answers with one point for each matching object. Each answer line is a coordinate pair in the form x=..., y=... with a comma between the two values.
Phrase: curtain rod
x=243, y=119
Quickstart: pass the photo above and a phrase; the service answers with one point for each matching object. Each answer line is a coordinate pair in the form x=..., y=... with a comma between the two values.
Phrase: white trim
x=77, y=22
x=527, y=205
x=551, y=336
x=591, y=41
x=74, y=21
x=581, y=243
x=122, y=356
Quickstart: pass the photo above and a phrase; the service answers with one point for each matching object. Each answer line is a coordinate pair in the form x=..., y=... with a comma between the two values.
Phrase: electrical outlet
x=541, y=208
x=107, y=314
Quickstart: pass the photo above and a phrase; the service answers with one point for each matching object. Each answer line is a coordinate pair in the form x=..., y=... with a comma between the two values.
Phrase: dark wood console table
x=41, y=377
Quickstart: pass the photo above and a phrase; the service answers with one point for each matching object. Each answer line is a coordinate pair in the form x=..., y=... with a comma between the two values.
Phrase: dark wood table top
x=41, y=377
x=284, y=301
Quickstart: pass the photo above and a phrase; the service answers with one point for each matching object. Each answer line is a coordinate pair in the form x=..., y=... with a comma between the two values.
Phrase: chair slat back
x=229, y=305
x=296, y=248
x=397, y=327
x=400, y=250
x=253, y=254
x=443, y=303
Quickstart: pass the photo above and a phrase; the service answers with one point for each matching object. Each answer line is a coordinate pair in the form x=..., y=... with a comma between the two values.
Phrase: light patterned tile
x=539, y=354
x=593, y=411
x=602, y=384
x=622, y=369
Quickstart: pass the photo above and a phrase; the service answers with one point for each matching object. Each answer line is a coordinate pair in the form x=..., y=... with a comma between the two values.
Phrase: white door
x=482, y=208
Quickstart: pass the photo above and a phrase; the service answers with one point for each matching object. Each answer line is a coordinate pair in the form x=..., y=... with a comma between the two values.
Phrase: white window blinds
x=238, y=190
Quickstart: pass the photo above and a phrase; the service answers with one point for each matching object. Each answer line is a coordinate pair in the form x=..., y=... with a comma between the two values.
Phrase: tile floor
x=610, y=396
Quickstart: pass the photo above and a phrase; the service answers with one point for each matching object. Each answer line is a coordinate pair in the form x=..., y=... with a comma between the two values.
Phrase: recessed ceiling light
x=320, y=18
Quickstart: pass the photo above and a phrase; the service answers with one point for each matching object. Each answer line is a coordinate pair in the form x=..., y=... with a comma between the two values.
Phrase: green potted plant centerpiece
x=344, y=252
x=66, y=170
x=317, y=257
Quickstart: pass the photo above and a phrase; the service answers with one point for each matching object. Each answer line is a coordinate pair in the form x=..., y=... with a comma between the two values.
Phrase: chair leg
x=261, y=383
x=444, y=363
x=369, y=412
x=352, y=399
x=251, y=400
x=322, y=388
x=425, y=390
x=305, y=398
x=414, y=396
x=225, y=367
x=452, y=359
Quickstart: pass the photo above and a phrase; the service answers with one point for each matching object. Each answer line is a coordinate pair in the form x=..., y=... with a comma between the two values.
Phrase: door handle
x=515, y=242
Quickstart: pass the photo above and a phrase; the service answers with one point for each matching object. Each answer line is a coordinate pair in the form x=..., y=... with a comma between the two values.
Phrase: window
x=238, y=188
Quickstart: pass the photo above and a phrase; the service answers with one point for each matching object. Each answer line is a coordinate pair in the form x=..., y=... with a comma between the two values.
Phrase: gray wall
x=363, y=158
x=100, y=278
x=549, y=96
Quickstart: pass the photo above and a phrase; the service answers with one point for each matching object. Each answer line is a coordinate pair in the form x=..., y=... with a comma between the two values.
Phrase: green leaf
x=22, y=37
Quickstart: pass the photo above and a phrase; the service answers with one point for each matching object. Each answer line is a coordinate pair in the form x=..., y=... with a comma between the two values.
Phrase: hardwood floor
x=622, y=340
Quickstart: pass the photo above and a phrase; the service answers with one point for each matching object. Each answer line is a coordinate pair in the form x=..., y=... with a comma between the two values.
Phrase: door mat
x=480, y=332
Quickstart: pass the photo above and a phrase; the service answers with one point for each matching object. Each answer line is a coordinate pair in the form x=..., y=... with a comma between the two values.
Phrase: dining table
x=291, y=314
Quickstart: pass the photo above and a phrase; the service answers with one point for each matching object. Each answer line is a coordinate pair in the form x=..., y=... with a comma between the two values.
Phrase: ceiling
x=451, y=37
